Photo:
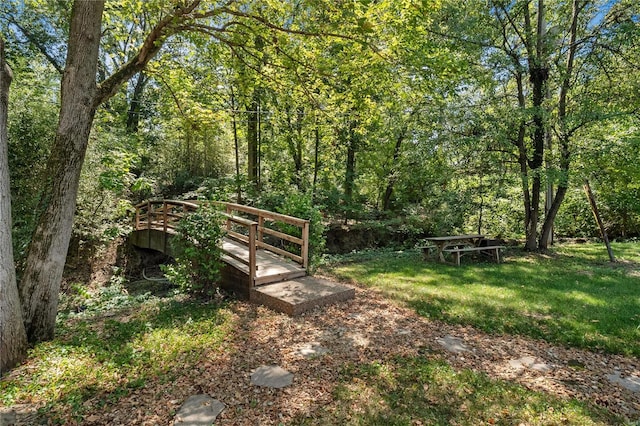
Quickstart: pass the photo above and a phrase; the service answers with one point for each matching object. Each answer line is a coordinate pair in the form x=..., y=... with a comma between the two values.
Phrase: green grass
x=427, y=391
x=102, y=354
x=572, y=295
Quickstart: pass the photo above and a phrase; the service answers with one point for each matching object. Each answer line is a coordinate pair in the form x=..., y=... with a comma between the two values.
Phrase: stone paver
x=312, y=350
x=198, y=410
x=271, y=376
x=530, y=363
x=631, y=383
x=453, y=344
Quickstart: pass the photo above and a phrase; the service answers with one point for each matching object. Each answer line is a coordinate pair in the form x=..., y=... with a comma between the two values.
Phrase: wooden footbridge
x=265, y=254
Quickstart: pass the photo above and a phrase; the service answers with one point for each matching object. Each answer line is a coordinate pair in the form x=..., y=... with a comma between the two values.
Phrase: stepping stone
x=453, y=344
x=631, y=383
x=198, y=410
x=530, y=363
x=312, y=350
x=271, y=376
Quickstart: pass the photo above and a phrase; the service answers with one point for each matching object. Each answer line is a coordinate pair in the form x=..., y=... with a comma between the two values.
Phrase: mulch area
x=367, y=329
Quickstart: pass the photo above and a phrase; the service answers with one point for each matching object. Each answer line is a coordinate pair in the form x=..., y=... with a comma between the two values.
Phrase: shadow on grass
x=422, y=390
x=96, y=360
x=564, y=298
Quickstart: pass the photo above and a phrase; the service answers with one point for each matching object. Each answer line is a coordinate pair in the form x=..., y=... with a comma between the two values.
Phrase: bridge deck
x=270, y=267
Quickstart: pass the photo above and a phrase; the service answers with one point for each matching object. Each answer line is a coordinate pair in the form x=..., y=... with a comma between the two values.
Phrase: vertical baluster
x=164, y=216
x=304, y=250
x=260, y=227
x=252, y=254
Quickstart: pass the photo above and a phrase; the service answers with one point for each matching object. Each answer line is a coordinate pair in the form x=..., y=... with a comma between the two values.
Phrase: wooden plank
x=266, y=214
x=280, y=251
x=279, y=277
x=252, y=253
x=282, y=235
x=238, y=236
x=239, y=220
x=466, y=249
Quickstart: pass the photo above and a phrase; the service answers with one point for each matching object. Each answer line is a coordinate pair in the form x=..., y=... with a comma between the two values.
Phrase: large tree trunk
x=538, y=76
x=40, y=283
x=13, y=339
x=565, y=134
x=252, y=141
x=350, y=168
x=393, y=173
x=135, y=107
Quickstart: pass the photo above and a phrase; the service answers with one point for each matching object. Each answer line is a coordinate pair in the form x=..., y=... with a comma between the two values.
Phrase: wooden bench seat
x=493, y=251
x=427, y=251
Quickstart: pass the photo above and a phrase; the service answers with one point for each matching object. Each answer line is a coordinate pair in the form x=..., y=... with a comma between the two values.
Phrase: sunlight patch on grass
x=107, y=357
x=571, y=295
x=421, y=391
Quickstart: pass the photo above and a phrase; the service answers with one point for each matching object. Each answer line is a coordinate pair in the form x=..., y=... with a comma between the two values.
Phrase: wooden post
x=228, y=209
x=304, y=250
x=260, y=227
x=596, y=214
x=252, y=254
x=164, y=216
x=148, y=214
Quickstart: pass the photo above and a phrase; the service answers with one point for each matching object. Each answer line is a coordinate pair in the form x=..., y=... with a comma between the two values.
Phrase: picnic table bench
x=493, y=251
x=458, y=245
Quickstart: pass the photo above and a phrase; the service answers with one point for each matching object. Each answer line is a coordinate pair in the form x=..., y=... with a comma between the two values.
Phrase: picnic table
x=458, y=245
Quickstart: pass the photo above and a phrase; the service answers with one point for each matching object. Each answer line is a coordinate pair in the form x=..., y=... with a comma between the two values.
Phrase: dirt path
x=366, y=329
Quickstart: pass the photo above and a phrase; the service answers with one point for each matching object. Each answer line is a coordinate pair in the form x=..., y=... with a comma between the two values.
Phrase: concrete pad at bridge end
x=294, y=297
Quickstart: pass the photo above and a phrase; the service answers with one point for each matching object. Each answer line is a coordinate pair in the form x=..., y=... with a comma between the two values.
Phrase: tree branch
x=150, y=47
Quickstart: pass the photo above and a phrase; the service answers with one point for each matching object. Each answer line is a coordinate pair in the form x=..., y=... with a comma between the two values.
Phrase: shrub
x=198, y=252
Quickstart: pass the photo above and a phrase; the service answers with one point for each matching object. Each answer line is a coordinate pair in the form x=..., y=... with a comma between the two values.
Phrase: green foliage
x=31, y=131
x=197, y=244
x=572, y=296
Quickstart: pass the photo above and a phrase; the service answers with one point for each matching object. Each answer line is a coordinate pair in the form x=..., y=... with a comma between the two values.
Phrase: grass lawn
x=427, y=391
x=572, y=295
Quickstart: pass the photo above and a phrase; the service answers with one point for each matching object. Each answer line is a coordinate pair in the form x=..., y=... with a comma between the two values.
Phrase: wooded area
x=439, y=117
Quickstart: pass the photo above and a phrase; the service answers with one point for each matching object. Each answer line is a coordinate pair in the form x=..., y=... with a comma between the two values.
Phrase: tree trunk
x=596, y=215
x=236, y=146
x=135, y=107
x=564, y=134
x=538, y=76
x=350, y=168
x=80, y=97
x=393, y=176
x=13, y=338
x=316, y=157
x=41, y=278
x=252, y=141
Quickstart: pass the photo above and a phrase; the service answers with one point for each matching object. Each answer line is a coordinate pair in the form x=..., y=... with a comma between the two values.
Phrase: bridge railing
x=261, y=219
x=249, y=225
x=162, y=215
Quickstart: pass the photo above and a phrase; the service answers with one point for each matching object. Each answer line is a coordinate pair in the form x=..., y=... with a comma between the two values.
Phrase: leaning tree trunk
x=80, y=97
x=13, y=339
x=40, y=283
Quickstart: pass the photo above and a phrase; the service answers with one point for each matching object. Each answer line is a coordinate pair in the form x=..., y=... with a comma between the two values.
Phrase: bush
x=198, y=252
